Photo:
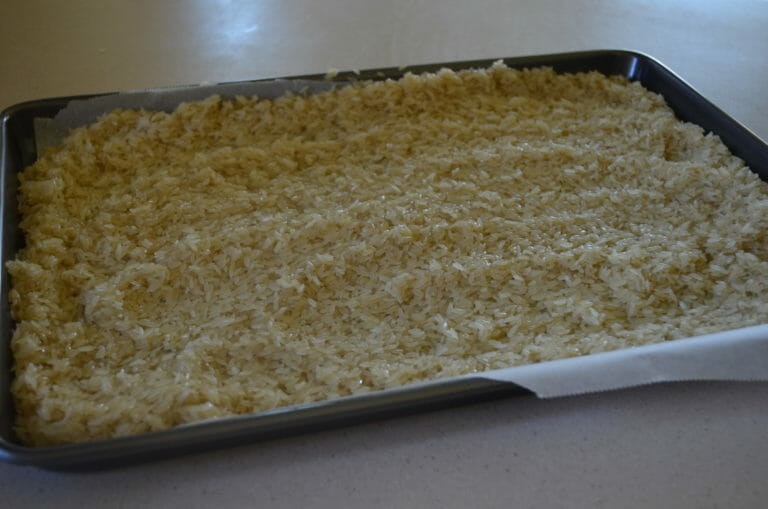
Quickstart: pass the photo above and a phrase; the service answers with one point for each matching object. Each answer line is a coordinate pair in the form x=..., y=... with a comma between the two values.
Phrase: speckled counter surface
x=676, y=445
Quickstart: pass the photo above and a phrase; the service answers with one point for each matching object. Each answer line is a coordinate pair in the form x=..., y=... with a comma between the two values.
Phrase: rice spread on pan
x=235, y=256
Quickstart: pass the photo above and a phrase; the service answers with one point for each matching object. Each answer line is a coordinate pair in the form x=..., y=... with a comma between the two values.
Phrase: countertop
x=674, y=445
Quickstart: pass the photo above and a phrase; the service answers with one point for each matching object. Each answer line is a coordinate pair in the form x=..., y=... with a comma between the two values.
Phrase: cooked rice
x=235, y=256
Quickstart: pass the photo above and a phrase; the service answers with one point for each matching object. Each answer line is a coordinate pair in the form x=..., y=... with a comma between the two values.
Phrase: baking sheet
x=731, y=355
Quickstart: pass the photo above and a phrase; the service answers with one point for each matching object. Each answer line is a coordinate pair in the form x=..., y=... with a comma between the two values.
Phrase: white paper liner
x=81, y=112
x=736, y=355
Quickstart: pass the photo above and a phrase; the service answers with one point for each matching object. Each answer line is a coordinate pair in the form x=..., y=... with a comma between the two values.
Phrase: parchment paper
x=50, y=132
x=737, y=355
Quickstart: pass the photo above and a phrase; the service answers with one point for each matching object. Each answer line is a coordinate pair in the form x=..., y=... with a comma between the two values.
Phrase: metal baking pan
x=19, y=150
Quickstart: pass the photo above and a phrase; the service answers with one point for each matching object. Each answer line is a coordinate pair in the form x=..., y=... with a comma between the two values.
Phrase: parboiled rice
x=237, y=256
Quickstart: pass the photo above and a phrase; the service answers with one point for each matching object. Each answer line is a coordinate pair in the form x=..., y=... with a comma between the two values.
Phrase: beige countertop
x=677, y=445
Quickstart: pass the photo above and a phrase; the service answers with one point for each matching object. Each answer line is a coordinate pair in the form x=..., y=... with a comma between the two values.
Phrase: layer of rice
x=237, y=256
